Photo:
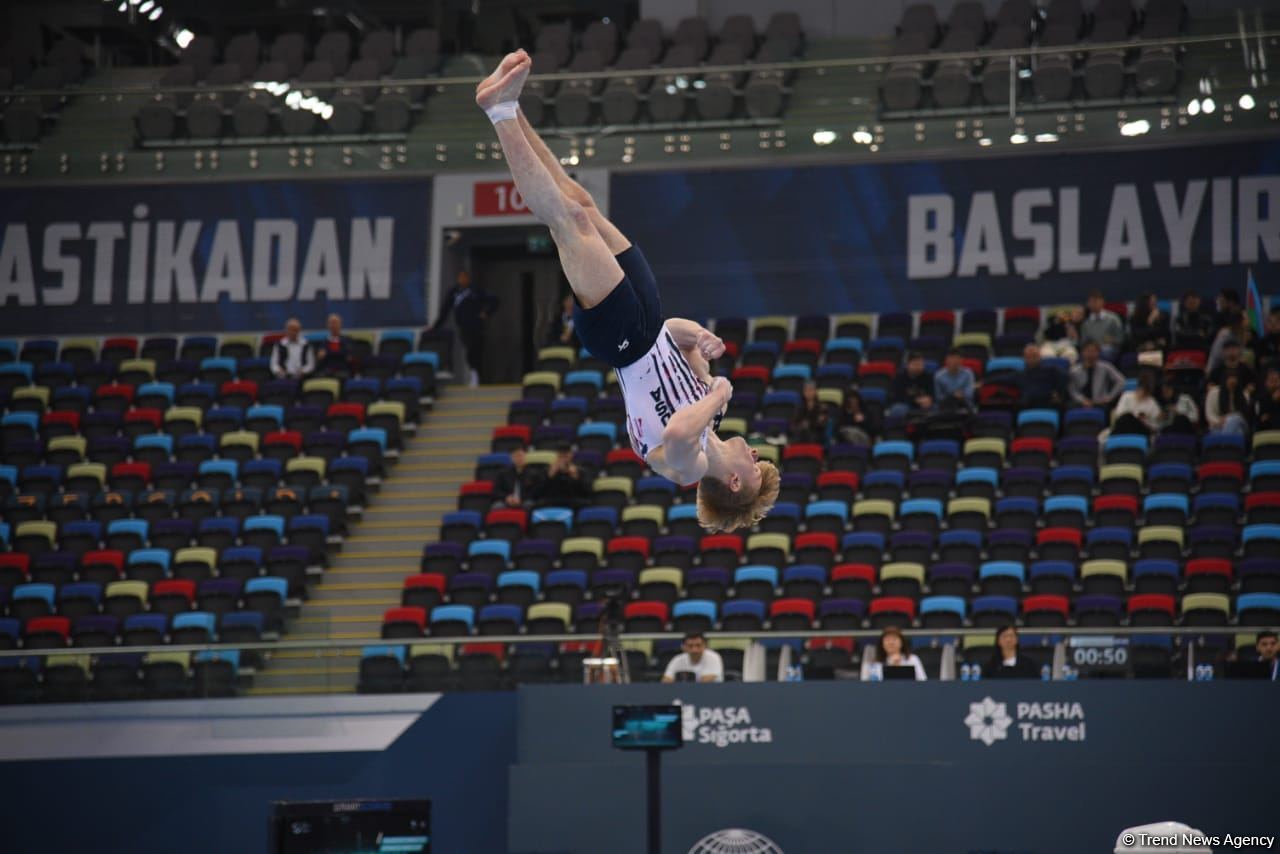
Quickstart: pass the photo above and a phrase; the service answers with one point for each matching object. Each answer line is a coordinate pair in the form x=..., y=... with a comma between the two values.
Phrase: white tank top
x=654, y=388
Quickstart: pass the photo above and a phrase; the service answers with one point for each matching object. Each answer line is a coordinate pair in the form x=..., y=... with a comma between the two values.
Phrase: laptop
x=898, y=672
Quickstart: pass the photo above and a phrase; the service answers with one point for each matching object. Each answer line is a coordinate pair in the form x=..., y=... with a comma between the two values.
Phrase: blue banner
x=212, y=256
x=988, y=231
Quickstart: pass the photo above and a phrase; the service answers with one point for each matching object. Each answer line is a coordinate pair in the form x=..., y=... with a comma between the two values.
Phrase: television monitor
x=647, y=727
x=351, y=827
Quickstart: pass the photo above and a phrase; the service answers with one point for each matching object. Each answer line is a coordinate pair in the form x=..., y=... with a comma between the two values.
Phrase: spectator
x=809, y=425
x=1040, y=386
x=855, y=426
x=1228, y=359
x=1148, y=325
x=912, y=388
x=1178, y=412
x=1103, y=326
x=1138, y=410
x=1226, y=307
x=705, y=665
x=292, y=357
x=1193, y=327
x=1062, y=335
x=892, y=650
x=1095, y=382
x=471, y=307
x=336, y=357
x=1269, y=401
x=1006, y=661
x=562, y=333
x=1268, y=346
x=563, y=485
x=1227, y=407
x=953, y=385
x=514, y=487
x=1268, y=646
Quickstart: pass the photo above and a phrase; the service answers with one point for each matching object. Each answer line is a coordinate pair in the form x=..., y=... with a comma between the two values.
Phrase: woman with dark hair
x=892, y=650
x=1148, y=325
x=1138, y=411
x=1006, y=662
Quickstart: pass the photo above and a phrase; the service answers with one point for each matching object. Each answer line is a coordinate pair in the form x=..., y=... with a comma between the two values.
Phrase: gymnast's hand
x=710, y=346
x=722, y=387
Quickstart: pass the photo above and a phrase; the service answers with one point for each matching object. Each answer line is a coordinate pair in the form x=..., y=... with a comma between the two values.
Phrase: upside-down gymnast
x=673, y=404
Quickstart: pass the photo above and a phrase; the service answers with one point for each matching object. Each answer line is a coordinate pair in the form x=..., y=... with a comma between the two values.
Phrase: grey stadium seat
x=1053, y=76
x=995, y=75
x=1014, y=13
x=920, y=18
x=968, y=16
x=953, y=79
x=620, y=101
x=251, y=115
x=646, y=33
x=555, y=40
x=289, y=49
x=765, y=93
x=573, y=101
x=694, y=32
x=602, y=37
x=902, y=87
x=378, y=46
x=537, y=93
x=311, y=82
x=393, y=108
x=334, y=48
x=204, y=115
x=1104, y=70
x=68, y=57
x=668, y=99
x=349, y=102
x=424, y=42
x=785, y=27
x=244, y=51
x=716, y=99
x=200, y=54
x=740, y=30
x=1156, y=71
x=158, y=118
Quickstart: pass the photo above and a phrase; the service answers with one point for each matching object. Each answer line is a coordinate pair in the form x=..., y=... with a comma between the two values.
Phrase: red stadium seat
x=1152, y=602
x=893, y=605
x=1057, y=604
x=48, y=625
x=620, y=545
x=508, y=516
x=793, y=606
x=715, y=542
x=152, y=417
x=292, y=438
x=791, y=452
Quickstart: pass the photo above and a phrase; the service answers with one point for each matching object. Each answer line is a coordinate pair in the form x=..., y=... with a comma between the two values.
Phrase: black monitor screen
x=351, y=827
x=647, y=727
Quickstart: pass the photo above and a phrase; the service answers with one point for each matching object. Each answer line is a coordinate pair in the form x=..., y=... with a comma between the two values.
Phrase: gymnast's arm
x=699, y=345
x=683, y=456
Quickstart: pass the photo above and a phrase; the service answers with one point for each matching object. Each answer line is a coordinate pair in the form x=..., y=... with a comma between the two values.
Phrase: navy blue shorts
x=624, y=325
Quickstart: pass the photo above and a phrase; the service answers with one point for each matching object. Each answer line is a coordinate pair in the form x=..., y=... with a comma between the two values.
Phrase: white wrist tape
x=502, y=112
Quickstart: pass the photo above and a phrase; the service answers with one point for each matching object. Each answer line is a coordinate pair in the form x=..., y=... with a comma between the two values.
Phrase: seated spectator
x=513, y=487
x=892, y=650
x=1267, y=645
x=563, y=485
x=1062, y=335
x=1226, y=307
x=1178, y=412
x=1228, y=358
x=1193, y=327
x=1268, y=346
x=1138, y=411
x=704, y=665
x=1229, y=406
x=1269, y=401
x=810, y=422
x=562, y=333
x=953, y=385
x=1095, y=382
x=336, y=357
x=292, y=357
x=1041, y=386
x=854, y=426
x=1103, y=326
x=1148, y=325
x=1006, y=662
x=912, y=388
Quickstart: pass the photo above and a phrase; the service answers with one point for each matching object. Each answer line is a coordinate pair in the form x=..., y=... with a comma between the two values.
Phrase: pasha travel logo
x=989, y=721
x=720, y=726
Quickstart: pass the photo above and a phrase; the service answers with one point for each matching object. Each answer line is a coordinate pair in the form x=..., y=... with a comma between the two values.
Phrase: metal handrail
x=689, y=71
x=860, y=634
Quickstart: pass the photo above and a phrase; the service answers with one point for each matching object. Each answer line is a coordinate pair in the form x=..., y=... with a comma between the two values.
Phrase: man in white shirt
x=705, y=664
x=292, y=357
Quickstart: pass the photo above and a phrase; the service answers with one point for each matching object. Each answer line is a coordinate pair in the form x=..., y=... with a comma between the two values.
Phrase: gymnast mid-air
x=673, y=404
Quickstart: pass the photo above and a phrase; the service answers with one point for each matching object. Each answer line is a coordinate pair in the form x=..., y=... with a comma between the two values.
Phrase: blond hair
x=722, y=509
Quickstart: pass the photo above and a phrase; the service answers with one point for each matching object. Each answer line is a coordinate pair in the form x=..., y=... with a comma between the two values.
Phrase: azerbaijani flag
x=1253, y=306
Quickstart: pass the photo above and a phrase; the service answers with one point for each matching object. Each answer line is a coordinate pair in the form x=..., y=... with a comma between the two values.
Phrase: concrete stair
x=365, y=578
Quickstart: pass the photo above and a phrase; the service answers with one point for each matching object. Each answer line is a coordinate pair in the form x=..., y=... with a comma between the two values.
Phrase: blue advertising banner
x=212, y=256
x=1000, y=766
x=987, y=231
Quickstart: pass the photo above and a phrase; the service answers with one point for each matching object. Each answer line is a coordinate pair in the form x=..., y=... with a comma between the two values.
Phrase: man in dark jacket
x=471, y=307
x=334, y=352
x=1041, y=386
x=912, y=388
